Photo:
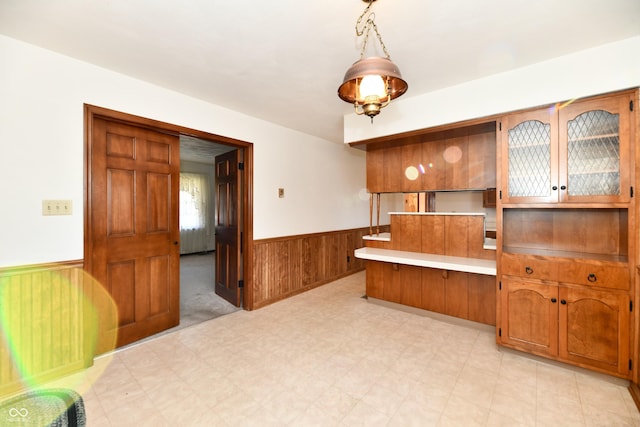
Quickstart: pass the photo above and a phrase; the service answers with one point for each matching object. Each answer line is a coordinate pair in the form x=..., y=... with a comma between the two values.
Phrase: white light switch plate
x=56, y=207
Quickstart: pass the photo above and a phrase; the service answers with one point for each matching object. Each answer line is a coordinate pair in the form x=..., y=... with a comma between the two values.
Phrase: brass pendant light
x=371, y=83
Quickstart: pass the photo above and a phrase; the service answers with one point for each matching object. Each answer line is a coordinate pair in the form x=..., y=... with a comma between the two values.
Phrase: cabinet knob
x=592, y=278
x=553, y=300
x=563, y=302
x=563, y=187
x=554, y=188
x=528, y=270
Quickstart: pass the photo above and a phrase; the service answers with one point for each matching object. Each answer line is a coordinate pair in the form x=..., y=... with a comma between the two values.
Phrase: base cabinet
x=454, y=293
x=594, y=329
x=529, y=316
x=586, y=327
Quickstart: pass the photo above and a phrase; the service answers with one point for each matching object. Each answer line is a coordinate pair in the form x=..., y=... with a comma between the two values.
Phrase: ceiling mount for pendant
x=371, y=83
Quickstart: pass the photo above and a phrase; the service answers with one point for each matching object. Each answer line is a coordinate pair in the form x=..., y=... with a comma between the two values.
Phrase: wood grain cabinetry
x=566, y=286
x=588, y=327
x=459, y=159
x=566, y=233
x=454, y=293
x=578, y=152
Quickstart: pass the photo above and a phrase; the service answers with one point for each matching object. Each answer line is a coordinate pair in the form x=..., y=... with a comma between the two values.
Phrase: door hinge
x=632, y=191
x=241, y=283
x=499, y=332
x=500, y=126
x=631, y=306
x=500, y=194
x=348, y=258
x=500, y=286
x=241, y=166
x=630, y=364
x=631, y=105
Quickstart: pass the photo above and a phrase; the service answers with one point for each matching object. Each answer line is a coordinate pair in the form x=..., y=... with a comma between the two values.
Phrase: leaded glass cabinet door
x=594, y=151
x=530, y=157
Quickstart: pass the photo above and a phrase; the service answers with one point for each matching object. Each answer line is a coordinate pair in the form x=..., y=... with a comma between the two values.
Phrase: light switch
x=281, y=193
x=56, y=207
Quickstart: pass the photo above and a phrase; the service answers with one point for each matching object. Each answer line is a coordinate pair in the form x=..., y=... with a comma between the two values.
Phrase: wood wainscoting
x=285, y=266
x=42, y=323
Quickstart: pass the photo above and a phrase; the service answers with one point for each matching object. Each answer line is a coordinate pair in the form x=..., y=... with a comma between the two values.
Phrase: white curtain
x=195, y=224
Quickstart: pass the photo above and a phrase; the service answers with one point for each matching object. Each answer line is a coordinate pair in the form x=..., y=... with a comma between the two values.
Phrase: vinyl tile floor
x=329, y=357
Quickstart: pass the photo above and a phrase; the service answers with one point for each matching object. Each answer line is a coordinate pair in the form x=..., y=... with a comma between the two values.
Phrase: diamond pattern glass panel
x=530, y=159
x=594, y=154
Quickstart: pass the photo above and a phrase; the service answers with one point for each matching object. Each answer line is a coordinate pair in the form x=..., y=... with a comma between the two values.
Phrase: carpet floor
x=198, y=300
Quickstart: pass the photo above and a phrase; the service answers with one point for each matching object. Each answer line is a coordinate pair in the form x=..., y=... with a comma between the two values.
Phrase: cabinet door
x=529, y=314
x=456, y=163
x=594, y=329
x=482, y=162
x=433, y=291
x=375, y=279
x=375, y=165
x=412, y=168
x=529, y=147
x=594, y=150
x=433, y=165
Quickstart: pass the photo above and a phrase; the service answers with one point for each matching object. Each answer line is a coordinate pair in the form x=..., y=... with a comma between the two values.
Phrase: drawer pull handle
x=553, y=300
x=563, y=187
x=554, y=188
x=528, y=270
x=592, y=277
x=564, y=302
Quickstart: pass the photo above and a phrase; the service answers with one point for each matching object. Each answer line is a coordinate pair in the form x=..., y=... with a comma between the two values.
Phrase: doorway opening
x=198, y=299
x=132, y=230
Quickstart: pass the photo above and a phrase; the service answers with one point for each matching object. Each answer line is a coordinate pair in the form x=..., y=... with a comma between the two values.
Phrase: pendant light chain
x=369, y=23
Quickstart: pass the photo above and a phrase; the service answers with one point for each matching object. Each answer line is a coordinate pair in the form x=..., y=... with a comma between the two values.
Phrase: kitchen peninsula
x=436, y=261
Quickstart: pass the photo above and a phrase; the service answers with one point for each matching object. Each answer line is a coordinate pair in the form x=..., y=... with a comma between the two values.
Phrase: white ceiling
x=283, y=60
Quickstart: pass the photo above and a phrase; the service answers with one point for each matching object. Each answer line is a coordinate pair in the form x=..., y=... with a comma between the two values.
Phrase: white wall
x=602, y=69
x=41, y=155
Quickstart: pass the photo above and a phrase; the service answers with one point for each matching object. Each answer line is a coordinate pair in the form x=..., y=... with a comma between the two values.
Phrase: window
x=194, y=201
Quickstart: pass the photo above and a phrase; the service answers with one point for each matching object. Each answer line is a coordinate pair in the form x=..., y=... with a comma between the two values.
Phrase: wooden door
x=133, y=208
x=227, y=220
x=594, y=329
x=529, y=316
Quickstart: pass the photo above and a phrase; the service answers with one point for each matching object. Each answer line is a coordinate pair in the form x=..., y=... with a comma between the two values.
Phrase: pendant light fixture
x=371, y=83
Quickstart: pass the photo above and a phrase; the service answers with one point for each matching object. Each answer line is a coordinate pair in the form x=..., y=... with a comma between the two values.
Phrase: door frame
x=92, y=112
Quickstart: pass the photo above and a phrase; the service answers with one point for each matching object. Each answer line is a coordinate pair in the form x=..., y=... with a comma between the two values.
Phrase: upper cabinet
x=576, y=152
x=457, y=159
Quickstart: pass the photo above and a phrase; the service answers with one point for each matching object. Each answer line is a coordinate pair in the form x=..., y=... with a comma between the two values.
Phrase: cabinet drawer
x=597, y=275
x=529, y=266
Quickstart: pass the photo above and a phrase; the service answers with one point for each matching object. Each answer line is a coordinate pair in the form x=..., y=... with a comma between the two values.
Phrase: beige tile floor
x=330, y=358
